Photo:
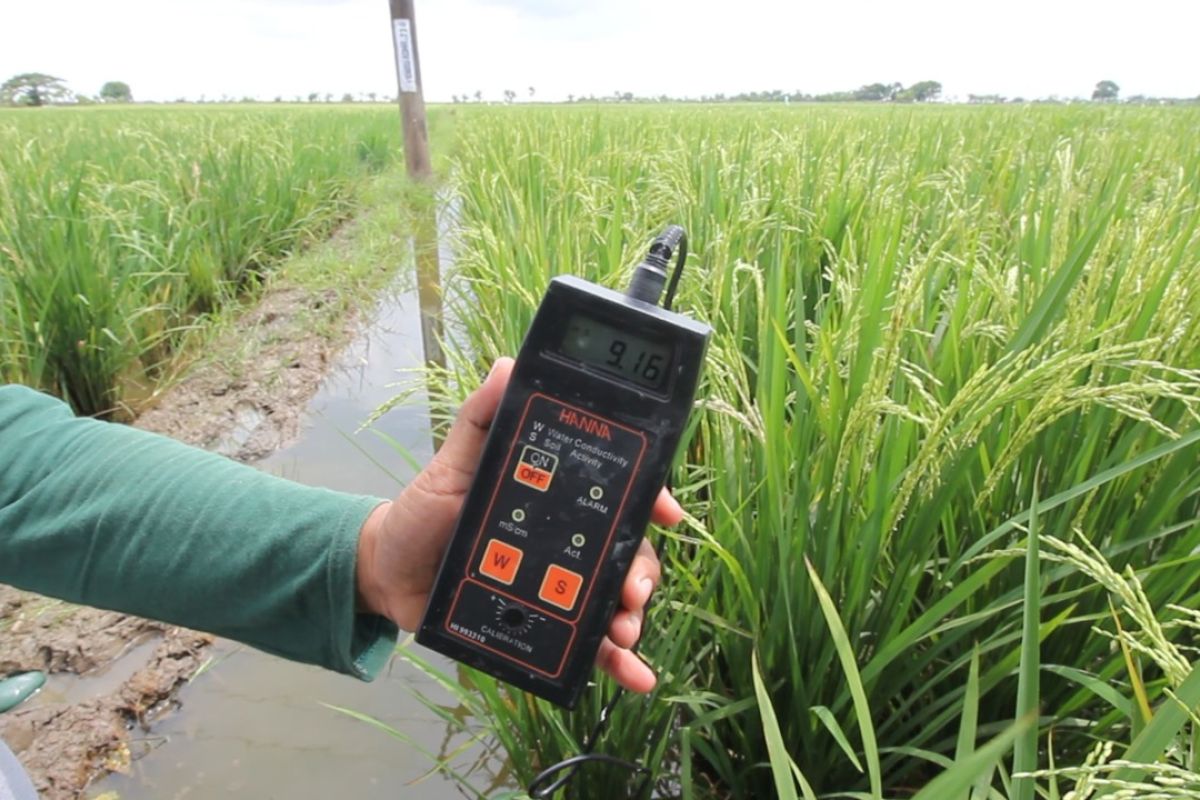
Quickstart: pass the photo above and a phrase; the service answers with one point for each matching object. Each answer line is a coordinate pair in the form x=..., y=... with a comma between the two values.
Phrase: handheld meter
x=574, y=460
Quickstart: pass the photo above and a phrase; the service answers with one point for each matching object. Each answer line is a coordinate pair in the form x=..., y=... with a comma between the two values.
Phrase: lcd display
x=634, y=358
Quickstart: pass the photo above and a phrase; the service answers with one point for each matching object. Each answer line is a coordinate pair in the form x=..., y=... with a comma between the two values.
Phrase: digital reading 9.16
x=617, y=352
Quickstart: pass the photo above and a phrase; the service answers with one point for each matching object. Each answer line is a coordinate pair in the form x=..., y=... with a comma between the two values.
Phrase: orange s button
x=560, y=587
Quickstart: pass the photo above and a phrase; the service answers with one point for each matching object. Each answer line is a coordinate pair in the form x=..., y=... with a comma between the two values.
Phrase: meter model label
x=546, y=533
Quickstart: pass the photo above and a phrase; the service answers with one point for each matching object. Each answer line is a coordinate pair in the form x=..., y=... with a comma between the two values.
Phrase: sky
x=168, y=49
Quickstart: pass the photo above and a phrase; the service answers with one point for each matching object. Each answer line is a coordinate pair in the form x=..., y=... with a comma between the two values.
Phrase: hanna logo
x=585, y=423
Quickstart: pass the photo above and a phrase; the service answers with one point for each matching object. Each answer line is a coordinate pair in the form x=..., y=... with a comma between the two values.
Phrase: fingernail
x=646, y=586
x=635, y=622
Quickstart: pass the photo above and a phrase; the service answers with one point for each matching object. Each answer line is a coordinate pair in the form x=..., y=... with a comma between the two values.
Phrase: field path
x=245, y=398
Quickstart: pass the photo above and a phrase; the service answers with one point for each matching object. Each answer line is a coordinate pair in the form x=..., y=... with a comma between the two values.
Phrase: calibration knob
x=514, y=618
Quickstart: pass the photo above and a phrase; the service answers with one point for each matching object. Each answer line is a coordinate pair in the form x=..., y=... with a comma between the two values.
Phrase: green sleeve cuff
x=361, y=644
x=372, y=644
x=119, y=518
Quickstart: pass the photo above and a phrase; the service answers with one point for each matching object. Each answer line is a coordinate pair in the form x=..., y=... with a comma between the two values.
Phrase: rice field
x=118, y=228
x=943, y=336
x=943, y=479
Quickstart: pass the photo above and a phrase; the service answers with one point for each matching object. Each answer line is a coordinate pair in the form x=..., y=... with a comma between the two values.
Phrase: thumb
x=460, y=452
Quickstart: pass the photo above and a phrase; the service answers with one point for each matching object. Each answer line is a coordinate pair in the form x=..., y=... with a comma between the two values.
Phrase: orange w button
x=500, y=561
x=560, y=587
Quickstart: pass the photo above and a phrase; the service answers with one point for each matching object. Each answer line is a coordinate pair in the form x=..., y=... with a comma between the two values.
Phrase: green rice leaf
x=862, y=708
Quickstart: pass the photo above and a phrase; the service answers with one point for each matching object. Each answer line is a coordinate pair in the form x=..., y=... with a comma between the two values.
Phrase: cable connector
x=651, y=275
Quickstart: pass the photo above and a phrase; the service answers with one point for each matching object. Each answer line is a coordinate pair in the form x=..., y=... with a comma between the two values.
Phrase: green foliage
x=118, y=227
x=924, y=318
x=1106, y=91
x=116, y=92
x=878, y=91
x=920, y=92
x=33, y=89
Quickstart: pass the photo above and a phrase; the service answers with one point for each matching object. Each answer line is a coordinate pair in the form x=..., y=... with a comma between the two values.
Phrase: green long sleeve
x=119, y=518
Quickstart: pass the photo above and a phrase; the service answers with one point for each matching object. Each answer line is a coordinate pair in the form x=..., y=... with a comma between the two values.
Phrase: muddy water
x=253, y=725
x=66, y=688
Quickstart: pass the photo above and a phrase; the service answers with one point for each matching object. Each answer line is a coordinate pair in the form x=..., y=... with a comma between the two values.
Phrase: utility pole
x=412, y=102
x=416, y=155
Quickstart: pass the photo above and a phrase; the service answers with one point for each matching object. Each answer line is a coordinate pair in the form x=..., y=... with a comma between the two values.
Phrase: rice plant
x=924, y=318
x=118, y=227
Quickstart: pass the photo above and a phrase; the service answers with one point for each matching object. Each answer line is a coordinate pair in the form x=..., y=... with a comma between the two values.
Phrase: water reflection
x=254, y=725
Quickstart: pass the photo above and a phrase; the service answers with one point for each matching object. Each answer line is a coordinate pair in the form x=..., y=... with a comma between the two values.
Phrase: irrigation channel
x=253, y=725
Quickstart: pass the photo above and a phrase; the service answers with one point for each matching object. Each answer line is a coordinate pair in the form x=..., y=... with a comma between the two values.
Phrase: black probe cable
x=569, y=766
x=647, y=285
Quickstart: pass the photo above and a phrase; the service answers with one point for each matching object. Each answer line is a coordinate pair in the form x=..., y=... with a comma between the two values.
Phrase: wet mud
x=245, y=399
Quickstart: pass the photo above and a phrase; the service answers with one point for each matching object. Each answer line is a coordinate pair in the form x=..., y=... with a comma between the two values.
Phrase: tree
x=1106, y=91
x=875, y=91
x=509, y=95
x=923, y=91
x=33, y=89
x=116, y=92
x=531, y=91
x=478, y=95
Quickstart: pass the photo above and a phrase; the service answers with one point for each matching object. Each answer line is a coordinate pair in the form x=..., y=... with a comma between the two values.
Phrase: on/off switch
x=536, y=468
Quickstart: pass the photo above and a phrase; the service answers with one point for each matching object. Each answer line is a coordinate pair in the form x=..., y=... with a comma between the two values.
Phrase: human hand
x=401, y=544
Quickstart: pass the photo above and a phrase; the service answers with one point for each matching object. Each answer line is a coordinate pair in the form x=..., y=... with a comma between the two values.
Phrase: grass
x=119, y=228
x=924, y=318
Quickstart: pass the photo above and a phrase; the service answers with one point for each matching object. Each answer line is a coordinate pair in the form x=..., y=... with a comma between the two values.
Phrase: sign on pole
x=408, y=77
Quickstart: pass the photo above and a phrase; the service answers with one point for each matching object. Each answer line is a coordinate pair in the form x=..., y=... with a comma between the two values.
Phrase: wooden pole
x=416, y=156
x=408, y=77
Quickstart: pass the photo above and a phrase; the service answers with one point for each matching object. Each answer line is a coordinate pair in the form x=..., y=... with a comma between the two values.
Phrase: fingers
x=455, y=464
x=666, y=511
x=459, y=454
x=625, y=667
x=626, y=628
x=643, y=576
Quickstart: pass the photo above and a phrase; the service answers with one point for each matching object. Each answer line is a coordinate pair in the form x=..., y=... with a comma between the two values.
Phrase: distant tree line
x=919, y=92
x=39, y=89
x=34, y=89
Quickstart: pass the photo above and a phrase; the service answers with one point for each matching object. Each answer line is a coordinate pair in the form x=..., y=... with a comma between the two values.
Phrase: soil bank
x=244, y=398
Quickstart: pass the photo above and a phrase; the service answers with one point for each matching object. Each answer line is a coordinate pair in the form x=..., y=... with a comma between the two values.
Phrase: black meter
x=576, y=455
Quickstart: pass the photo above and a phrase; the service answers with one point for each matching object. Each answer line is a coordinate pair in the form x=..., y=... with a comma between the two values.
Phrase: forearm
x=119, y=518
